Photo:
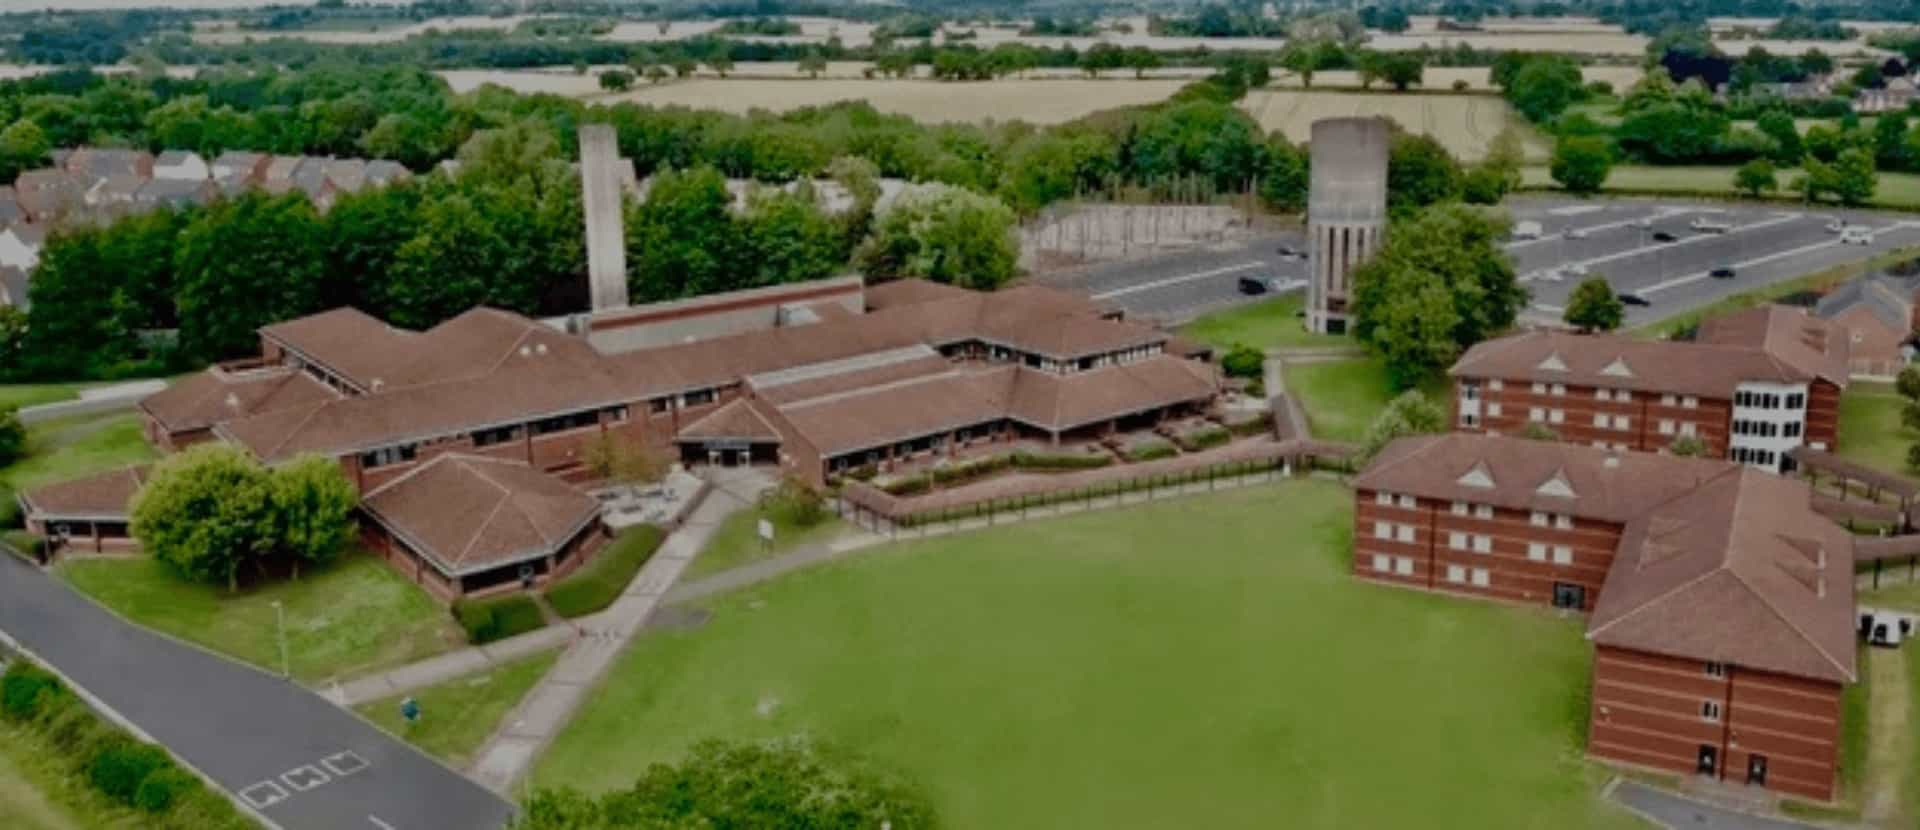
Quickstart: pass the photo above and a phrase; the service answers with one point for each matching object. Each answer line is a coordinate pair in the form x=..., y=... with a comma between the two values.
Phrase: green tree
x=655, y=73
x=1420, y=172
x=790, y=783
x=1581, y=163
x=23, y=146
x=1907, y=383
x=1593, y=307
x=1779, y=126
x=945, y=234
x=1756, y=177
x=1442, y=282
x=242, y=264
x=1409, y=414
x=680, y=239
x=616, y=80
x=1051, y=166
x=812, y=63
x=1283, y=176
x=785, y=237
x=206, y=513
x=13, y=436
x=1688, y=446
x=312, y=506
x=721, y=62
x=1142, y=60
x=1544, y=87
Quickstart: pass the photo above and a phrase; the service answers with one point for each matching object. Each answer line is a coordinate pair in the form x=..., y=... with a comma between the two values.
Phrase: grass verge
x=599, y=582
x=736, y=541
x=350, y=618
x=1870, y=429
x=1274, y=323
x=457, y=716
x=1196, y=662
x=1900, y=191
x=1342, y=397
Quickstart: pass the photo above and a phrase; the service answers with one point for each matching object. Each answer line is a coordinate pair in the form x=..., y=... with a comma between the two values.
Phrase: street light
x=280, y=623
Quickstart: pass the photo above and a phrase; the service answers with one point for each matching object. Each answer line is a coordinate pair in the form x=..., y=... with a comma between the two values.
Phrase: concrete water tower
x=1346, y=213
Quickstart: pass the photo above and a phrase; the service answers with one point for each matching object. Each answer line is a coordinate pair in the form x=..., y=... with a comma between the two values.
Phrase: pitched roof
x=346, y=341
x=1814, y=347
x=14, y=287
x=1739, y=351
x=1519, y=474
x=1739, y=570
x=466, y=513
x=104, y=496
x=201, y=400
x=1888, y=299
x=738, y=420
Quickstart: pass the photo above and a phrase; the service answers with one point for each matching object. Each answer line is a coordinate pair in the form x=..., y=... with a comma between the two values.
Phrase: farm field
x=1441, y=78
x=1466, y=124
x=1034, y=101
x=1897, y=190
x=1203, y=662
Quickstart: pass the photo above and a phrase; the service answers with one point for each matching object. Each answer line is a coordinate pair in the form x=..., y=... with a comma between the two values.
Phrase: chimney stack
x=606, y=234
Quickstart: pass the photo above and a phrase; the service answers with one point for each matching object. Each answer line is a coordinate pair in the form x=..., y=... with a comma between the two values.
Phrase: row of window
x=1749, y=455
x=1767, y=429
x=1389, y=531
x=1470, y=541
x=496, y=435
x=1402, y=565
x=1560, y=521
x=1386, y=499
x=1479, y=511
x=1682, y=401
x=1769, y=400
x=1601, y=421
x=1668, y=426
x=1618, y=395
x=1542, y=552
x=1551, y=416
x=1462, y=575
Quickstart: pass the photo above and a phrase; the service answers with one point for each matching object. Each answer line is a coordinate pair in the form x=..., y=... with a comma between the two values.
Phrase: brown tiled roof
x=346, y=341
x=1614, y=361
x=909, y=292
x=199, y=401
x=885, y=367
x=467, y=513
x=103, y=496
x=1739, y=570
x=1508, y=472
x=739, y=419
x=1812, y=346
x=1067, y=401
x=481, y=340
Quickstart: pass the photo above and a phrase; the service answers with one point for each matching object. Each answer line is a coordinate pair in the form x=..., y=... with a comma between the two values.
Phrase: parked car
x=1634, y=299
x=1705, y=225
x=1663, y=236
x=1856, y=235
x=1527, y=230
x=1574, y=233
x=1836, y=225
x=1724, y=272
x=1290, y=252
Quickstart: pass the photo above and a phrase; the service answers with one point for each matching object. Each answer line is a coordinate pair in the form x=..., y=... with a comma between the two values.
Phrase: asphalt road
x=299, y=760
x=1766, y=244
x=1679, y=813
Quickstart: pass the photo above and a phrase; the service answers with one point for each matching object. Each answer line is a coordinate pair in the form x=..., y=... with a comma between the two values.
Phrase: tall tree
x=943, y=233
x=1593, y=307
x=1440, y=284
x=205, y=512
x=1581, y=163
x=23, y=146
x=244, y=263
x=312, y=506
x=680, y=239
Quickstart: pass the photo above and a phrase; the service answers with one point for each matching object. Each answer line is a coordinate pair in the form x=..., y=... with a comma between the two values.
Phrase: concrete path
x=805, y=556
x=92, y=400
x=444, y=667
x=1679, y=812
x=296, y=759
x=547, y=708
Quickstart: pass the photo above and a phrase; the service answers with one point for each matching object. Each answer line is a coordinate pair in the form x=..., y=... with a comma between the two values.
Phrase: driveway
x=299, y=760
x=1680, y=813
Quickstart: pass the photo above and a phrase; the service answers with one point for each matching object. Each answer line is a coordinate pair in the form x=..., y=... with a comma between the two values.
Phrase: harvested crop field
x=1441, y=78
x=1466, y=124
x=1034, y=101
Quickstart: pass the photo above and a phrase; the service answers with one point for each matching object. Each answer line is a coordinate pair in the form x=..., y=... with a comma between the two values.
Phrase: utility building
x=1346, y=213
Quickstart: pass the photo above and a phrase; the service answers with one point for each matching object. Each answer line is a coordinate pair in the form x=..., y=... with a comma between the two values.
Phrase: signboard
x=766, y=531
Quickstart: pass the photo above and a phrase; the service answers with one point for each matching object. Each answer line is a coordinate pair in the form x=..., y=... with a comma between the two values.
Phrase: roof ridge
x=417, y=469
x=1771, y=609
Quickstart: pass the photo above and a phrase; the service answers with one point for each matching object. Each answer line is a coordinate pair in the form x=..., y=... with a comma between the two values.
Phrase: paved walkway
x=444, y=667
x=548, y=707
x=298, y=760
x=1681, y=813
x=92, y=400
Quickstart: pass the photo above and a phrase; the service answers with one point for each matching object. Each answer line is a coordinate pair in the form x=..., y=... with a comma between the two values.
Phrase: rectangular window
x=1623, y=396
x=1382, y=530
x=1710, y=710
x=1459, y=508
x=562, y=423
x=1716, y=669
x=1482, y=544
x=617, y=414
x=1403, y=565
x=1539, y=389
x=1600, y=419
x=1602, y=395
x=1559, y=390
x=1556, y=416
x=1537, y=519
x=1405, y=533
x=388, y=455
x=1688, y=429
x=698, y=397
x=1456, y=573
x=1563, y=521
x=1622, y=422
x=1493, y=410
x=1536, y=551
x=1668, y=400
x=1382, y=563
x=1666, y=427
x=659, y=405
x=1535, y=413
x=1796, y=401
x=497, y=435
x=1457, y=540
x=1793, y=429
x=1383, y=498
x=1483, y=511
x=1496, y=385
x=1480, y=577
x=1408, y=502
x=1562, y=555
x=1689, y=402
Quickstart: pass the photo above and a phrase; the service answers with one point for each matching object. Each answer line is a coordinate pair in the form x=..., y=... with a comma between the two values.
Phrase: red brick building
x=1721, y=603
x=1752, y=386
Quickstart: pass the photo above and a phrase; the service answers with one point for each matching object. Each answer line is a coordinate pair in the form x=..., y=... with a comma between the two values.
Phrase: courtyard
x=1201, y=661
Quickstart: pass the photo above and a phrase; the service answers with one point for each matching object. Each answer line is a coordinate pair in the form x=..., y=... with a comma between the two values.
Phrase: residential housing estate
x=813, y=379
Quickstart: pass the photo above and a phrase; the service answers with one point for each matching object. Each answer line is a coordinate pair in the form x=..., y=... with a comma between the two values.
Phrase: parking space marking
x=1777, y=220
x=343, y=764
x=1760, y=260
x=1161, y=283
x=305, y=777
x=264, y=794
x=1662, y=213
x=380, y=824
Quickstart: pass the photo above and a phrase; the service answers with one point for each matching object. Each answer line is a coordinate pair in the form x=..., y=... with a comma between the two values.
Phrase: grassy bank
x=457, y=716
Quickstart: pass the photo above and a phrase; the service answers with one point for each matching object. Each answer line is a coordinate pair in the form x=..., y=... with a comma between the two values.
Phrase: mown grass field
x=1897, y=190
x=457, y=716
x=1203, y=662
x=1466, y=124
x=1342, y=397
x=70, y=448
x=1268, y=324
x=737, y=541
x=1870, y=429
x=355, y=616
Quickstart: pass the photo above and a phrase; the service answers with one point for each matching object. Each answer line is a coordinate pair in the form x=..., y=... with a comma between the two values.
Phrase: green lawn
x=72, y=447
x=1900, y=596
x=457, y=716
x=1271, y=323
x=598, y=583
x=1202, y=662
x=23, y=805
x=737, y=542
x=1896, y=189
x=1342, y=397
x=351, y=618
x=29, y=394
x=1870, y=428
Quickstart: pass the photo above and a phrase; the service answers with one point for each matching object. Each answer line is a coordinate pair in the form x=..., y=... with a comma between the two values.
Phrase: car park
x=1634, y=300
x=1724, y=272
x=1706, y=225
x=1856, y=235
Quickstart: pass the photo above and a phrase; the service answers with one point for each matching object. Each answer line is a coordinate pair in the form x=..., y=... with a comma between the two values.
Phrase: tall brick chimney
x=606, y=234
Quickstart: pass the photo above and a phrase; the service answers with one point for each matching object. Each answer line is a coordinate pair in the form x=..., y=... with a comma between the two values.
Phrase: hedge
x=487, y=620
x=130, y=772
x=1195, y=440
x=1046, y=462
x=1150, y=450
x=1251, y=426
x=599, y=582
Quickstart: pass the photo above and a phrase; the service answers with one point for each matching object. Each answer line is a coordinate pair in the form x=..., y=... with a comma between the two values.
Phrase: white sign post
x=766, y=533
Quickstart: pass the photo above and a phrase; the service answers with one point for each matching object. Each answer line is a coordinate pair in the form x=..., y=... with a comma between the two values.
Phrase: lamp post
x=280, y=624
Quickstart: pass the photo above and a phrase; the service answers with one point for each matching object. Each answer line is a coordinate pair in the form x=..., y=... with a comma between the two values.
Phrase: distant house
x=1898, y=93
x=174, y=193
x=311, y=178
x=277, y=176
x=113, y=191
x=381, y=172
x=1879, y=314
x=249, y=168
x=10, y=209
x=45, y=195
x=100, y=163
x=347, y=175
x=20, y=245
x=181, y=165
x=13, y=287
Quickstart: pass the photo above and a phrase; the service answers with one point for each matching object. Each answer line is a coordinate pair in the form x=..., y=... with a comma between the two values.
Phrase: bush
x=1461, y=85
x=488, y=620
x=26, y=543
x=1251, y=426
x=1150, y=450
x=599, y=582
x=163, y=788
x=1243, y=361
x=796, y=503
x=118, y=768
x=1204, y=438
x=1056, y=462
x=1256, y=388
x=21, y=688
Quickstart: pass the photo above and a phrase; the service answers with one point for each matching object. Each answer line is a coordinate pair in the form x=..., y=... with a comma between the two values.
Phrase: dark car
x=1290, y=252
x=1663, y=236
x=1634, y=299
x=1724, y=272
x=1252, y=285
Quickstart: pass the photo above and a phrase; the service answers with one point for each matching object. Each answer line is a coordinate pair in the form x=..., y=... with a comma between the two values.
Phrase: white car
x=1574, y=233
x=1705, y=225
x=1644, y=223
x=1577, y=269
x=1527, y=230
x=1856, y=235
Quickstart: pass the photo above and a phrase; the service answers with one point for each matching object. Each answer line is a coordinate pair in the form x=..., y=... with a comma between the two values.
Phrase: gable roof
x=102, y=496
x=346, y=341
x=218, y=394
x=1738, y=570
x=1521, y=474
x=1813, y=347
x=1744, y=349
x=1887, y=298
x=467, y=513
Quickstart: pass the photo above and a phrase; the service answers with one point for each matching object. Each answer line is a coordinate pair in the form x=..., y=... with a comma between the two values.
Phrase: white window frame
x=1538, y=519
x=1556, y=416
x=1562, y=521
x=1622, y=422
x=1539, y=388
x=1403, y=565
x=1456, y=540
x=1496, y=384
x=1382, y=563
x=1600, y=420
x=1481, y=578
x=1483, y=511
x=1404, y=533
x=1666, y=426
x=1408, y=502
x=1562, y=555
x=1456, y=574
x=1383, y=530
x=1482, y=544
x=1537, y=551
x=1383, y=498
x=1494, y=410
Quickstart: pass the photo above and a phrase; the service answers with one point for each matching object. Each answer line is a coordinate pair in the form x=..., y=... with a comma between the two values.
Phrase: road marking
x=1132, y=289
x=1778, y=220
x=343, y=764
x=264, y=794
x=1604, y=226
x=380, y=824
x=1691, y=278
x=1575, y=210
x=1550, y=309
x=304, y=777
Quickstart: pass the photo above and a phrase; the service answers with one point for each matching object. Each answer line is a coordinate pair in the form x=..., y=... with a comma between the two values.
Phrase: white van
x=1527, y=230
x=1856, y=235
